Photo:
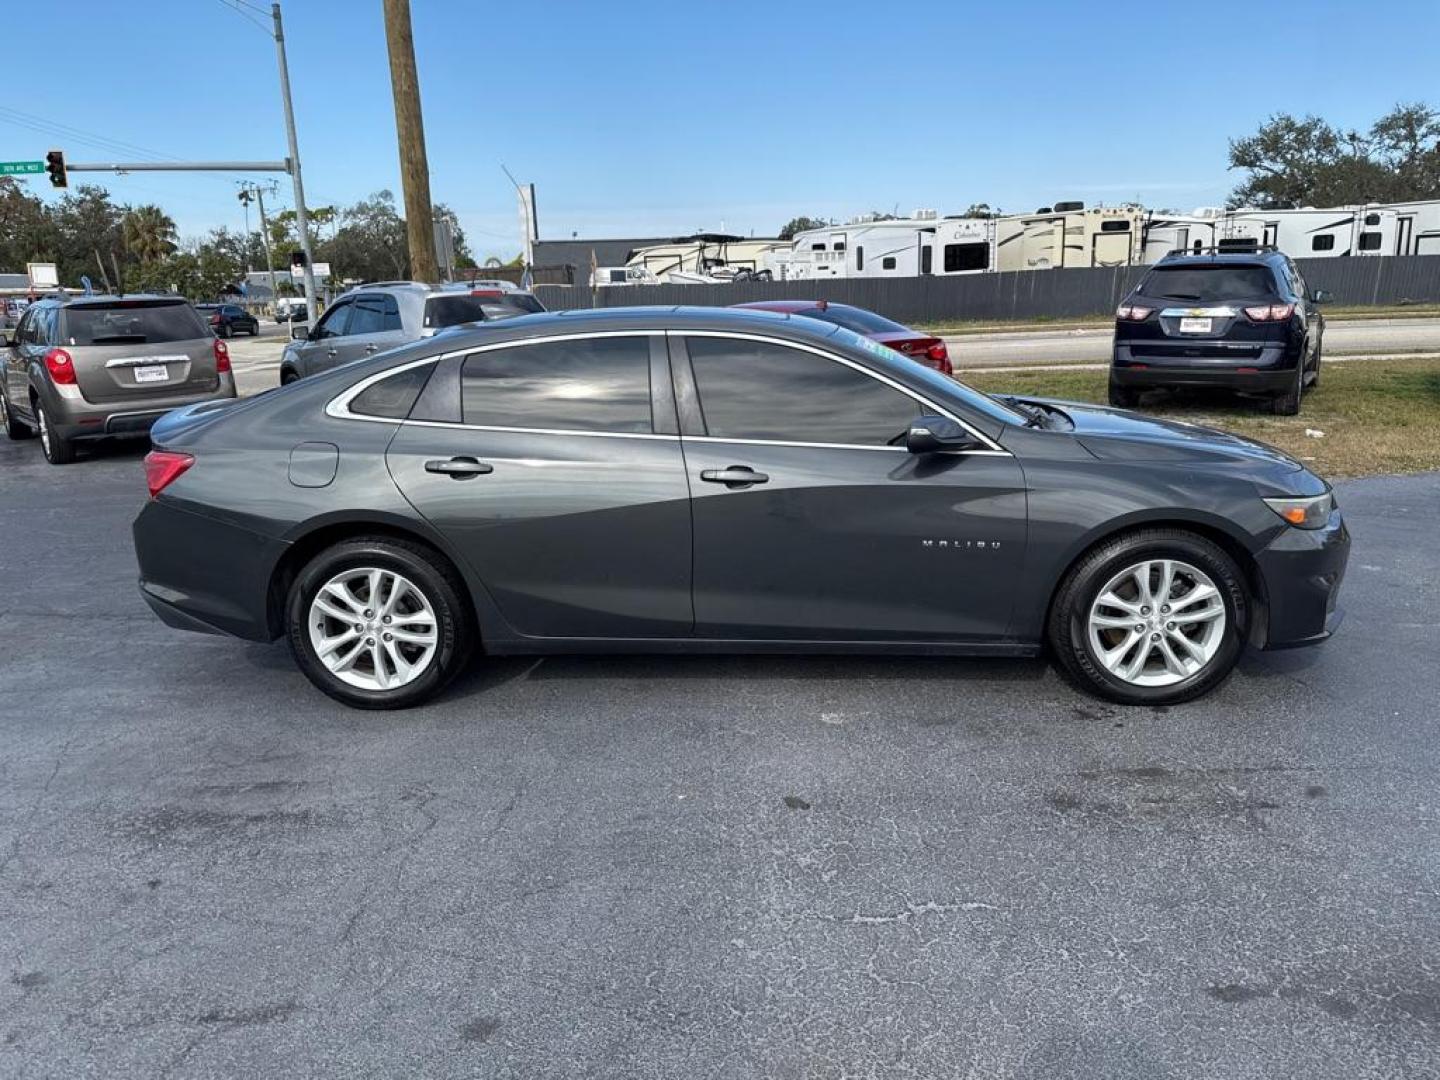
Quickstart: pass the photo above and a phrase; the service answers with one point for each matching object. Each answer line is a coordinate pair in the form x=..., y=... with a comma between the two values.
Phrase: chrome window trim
x=339, y=406
x=993, y=447
x=1200, y=312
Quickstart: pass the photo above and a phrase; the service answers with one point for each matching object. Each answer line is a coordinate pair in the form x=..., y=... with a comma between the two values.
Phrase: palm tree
x=149, y=233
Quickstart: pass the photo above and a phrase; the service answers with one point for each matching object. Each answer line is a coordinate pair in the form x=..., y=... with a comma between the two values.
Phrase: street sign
x=321, y=270
x=19, y=168
x=42, y=275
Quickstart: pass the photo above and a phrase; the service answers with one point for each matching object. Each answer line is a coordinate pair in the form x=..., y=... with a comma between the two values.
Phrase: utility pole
x=248, y=191
x=302, y=217
x=410, y=130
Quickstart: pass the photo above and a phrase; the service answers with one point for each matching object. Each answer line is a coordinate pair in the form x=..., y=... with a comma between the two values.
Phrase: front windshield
x=981, y=402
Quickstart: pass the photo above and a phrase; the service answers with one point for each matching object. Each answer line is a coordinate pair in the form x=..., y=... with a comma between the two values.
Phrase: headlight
x=1311, y=513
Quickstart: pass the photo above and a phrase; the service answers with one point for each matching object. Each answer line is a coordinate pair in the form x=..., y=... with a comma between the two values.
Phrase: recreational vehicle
x=1417, y=226
x=1165, y=231
x=1310, y=233
x=900, y=247
x=1067, y=235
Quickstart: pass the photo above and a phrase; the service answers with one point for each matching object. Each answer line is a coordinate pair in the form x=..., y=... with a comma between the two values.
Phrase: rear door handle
x=459, y=468
x=371, y=347
x=735, y=476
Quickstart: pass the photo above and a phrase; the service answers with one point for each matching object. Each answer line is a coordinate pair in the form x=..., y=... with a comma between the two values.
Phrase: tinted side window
x=1323, y=242
x=392, y=398
x=755, y=390
x=591, y=384
x=332, y=323
x=373, y=315
x=959, y=257
x=1370, y=241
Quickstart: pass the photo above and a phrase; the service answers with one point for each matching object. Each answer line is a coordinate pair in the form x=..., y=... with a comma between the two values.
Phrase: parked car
x=229, y=319
x=707, y=480
x=924, y=348
x=1245, y=322
x=373, y=318
x=93, y=367
x=289, y=308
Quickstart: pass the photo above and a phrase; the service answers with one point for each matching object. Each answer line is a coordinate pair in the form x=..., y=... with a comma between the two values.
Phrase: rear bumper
x=1303, y=570
x=1272, y=371
x=198, y=573
x=75, y=418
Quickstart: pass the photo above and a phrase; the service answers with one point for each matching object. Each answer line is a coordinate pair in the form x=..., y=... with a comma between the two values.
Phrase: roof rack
x=1234, y=247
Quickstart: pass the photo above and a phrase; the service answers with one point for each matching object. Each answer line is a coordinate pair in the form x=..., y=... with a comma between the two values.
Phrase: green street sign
x=16, y=168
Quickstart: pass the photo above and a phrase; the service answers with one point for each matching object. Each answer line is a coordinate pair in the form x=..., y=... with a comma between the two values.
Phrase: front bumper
x=1302, y=570
x=75, y=418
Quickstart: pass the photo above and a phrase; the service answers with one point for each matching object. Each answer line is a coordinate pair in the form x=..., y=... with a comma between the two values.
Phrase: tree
x=148, y=232
x=86, y=221
x=1307, y=162
x=27, y=233
x=981, y=210
x=799, y=225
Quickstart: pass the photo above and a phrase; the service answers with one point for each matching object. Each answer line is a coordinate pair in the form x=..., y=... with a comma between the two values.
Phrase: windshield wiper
x=1034, y=414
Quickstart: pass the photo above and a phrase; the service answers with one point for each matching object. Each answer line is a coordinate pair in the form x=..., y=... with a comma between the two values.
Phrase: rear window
x=1209, y=283
x=857, y=319
x=131, y=322
x=453, y=310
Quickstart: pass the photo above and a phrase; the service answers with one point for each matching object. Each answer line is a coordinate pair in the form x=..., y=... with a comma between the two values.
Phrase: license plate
x=158, y=373
x=1194, y=326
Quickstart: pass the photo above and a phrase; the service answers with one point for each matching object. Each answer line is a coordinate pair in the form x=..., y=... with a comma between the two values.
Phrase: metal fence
x=1026, y=294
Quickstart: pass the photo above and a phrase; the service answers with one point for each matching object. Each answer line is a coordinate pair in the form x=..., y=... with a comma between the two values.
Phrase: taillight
x=214, y=320
x=61, y=367
x=163, y=468
x=1132, y=313
x=222, y=357
x=939, y=357
x=1270, y=313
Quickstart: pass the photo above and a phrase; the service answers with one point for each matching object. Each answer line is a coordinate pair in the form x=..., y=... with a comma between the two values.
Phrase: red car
x=928, y=350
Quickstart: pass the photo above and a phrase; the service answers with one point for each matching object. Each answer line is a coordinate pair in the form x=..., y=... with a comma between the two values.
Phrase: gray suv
x=96, y=367
x=380, y=316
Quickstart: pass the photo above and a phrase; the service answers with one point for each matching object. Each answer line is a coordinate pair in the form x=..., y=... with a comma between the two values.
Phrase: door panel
x=573, y=535
x=853, y=544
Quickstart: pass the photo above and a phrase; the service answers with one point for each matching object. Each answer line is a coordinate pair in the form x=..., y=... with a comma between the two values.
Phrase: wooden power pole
x=410, y=128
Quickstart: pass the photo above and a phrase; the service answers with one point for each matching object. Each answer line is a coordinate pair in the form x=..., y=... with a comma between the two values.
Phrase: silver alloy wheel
x=43, y=423
x=373, y=629
x=1157, y=623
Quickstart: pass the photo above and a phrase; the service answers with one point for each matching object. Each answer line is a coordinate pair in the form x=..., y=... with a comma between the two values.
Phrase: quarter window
x=1322, y=243
x=394, y=397
x=589, y=384
x=756, y=390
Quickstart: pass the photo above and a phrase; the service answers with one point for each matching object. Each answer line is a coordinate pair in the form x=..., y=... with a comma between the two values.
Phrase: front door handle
x=459, y=468
x=371, y=347
x=332, y=352
x=736, y=476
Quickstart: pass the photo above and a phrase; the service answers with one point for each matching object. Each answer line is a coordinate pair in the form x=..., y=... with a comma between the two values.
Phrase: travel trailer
x=1417, y=226
x=1310, y=233
x=901, y=247
x=1165, y=231
x=1067, y=235
x=704, y=257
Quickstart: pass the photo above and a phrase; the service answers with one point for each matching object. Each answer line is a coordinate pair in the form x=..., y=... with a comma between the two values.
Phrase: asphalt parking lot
x=717, y=867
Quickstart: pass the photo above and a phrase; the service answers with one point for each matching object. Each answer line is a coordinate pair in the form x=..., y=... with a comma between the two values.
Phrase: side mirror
x=300, y=333
x=931, y=434
x=1322, y=297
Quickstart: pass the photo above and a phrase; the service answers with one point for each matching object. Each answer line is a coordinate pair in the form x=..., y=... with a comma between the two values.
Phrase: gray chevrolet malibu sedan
x=97, y=367
x=717, y=480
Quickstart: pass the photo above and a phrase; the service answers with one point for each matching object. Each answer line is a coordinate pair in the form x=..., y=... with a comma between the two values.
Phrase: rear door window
x=460, y=308
x=759, y=390
x=588, y=384
x=1209, y=283
x=373, y=315
x=131, y=322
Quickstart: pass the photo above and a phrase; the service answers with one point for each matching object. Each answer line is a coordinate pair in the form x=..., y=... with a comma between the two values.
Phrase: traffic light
x=297, y=260
x=55, y=166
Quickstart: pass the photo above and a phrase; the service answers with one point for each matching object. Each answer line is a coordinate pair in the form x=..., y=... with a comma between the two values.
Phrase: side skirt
x=711, y=646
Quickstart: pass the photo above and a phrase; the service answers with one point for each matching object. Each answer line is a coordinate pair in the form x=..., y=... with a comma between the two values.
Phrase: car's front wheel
x=58, y=449
x=14, y=426
x=1152, y=617
x=379, y=623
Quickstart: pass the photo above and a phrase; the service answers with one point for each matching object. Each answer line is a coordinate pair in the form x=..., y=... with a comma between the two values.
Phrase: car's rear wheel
x=1288, y=403
x=379, y=623
x=1123, y=397
x=58, y=449
x=1153, y=617
x=1315, y=375
x=14, y=427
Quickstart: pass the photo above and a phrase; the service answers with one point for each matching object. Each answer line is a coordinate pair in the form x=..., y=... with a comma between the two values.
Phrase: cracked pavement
x=705, y=867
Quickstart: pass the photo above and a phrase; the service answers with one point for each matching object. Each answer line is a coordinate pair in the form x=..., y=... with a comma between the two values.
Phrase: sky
x=635, y=118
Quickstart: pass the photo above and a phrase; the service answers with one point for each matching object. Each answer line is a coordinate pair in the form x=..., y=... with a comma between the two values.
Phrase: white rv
x=1067, y=235
x=1310, y=233
x=1417, y=226
x=704, y=257
x=902, y=247
x=1165, y=231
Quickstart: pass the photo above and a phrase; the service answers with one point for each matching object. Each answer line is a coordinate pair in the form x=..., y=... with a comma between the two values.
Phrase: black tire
x=223, y=331
x=1315, y=375
x=16, y=428
x=427, y=572
x=1069, y=613
x=58, y=449
x=287, y=376
x=1288, y=403
x=1123, y=397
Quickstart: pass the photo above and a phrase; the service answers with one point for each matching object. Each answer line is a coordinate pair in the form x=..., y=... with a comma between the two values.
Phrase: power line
x=66, y=131
x=235, y=6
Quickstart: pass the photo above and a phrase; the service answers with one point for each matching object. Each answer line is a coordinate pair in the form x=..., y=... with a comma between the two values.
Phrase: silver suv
x=95, y=367
x=371, y=318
